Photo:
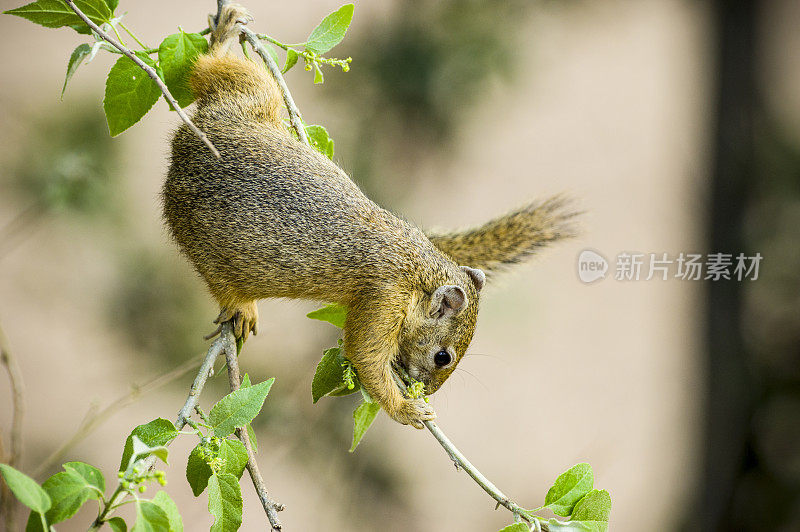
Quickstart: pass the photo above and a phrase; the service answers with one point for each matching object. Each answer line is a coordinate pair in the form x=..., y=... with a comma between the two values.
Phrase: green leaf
x=271, y=51
x=516, y=527
x=291, y=60
x=323, y=143
x=37, y=523
x=197, y=471
x=318, y=77
x=117, y=524
x=57, y=14
x=250, y=432
x=91, y=476
x=238, y=408
x=112, y=5
x=363, y=416
x=165, y=502
x=594, y=506
x=78, y=55
x=130, y=93
x=576, y=526
x=329, y=376
x=569, y=488
x=176, y=55
x=335, y=314
x=68, y=492
x=155, y=433
x=150, y=517
x=25, y=489
x=331, y=30
x=142, y=450
x=253, y=439
x=234, y=453
x=225, y=502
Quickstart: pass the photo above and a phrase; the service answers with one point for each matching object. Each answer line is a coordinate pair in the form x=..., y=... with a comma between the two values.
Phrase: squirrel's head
x=438, y=328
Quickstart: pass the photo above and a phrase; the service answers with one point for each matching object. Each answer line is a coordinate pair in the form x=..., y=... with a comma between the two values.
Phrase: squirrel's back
x=273, y=217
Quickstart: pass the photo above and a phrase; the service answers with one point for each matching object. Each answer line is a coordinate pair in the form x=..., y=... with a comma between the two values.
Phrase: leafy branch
x=146, y=64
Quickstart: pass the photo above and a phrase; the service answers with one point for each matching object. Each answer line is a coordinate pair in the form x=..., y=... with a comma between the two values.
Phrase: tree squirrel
x=275, y=218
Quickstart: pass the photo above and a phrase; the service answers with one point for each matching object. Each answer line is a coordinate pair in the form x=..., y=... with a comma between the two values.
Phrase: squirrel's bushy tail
x=510, y=238
x=220, y=75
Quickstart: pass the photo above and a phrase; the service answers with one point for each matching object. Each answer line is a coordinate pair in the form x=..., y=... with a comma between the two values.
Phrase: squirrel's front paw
x=413, y=412
x=244, y=318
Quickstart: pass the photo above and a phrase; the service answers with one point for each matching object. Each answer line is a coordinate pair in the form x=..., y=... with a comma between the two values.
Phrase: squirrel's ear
x=447, y=300
x=477, y=276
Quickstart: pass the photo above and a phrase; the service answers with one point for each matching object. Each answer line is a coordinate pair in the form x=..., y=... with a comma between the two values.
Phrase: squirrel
x=275, y=218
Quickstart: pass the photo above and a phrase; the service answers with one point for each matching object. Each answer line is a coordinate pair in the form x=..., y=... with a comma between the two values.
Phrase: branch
x=461, y=462
x=150, y=72
x=18, y=401
x=270, y=507
x=225, y=343
x=294, y=113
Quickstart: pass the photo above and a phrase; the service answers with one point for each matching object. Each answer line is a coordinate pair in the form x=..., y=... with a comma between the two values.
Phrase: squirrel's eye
x=442, y=358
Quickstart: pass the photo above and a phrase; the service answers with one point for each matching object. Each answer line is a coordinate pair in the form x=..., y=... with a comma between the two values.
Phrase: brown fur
x=275, y=218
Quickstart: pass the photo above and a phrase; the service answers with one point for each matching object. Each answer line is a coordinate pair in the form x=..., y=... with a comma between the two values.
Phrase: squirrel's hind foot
x=243, y=317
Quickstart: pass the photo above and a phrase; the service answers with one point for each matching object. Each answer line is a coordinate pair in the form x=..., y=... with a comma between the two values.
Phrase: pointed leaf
x=331, y=30
x=130, y=93
x=57, y=14
x=569, y=488
x=150, y=518
x=363, y=416
x=176, y=56
x=112, y=5
x=91, y=475
x=329, y=376
x=225, y=502
x=155, y=433
x=335, y=314
x=238, y=408
x=68, y=492
x=165, y=502
x=291, y=60
x=78, y=55
x=25, y=489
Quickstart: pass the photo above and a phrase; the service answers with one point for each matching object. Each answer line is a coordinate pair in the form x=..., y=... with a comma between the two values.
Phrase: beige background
x=612, y=106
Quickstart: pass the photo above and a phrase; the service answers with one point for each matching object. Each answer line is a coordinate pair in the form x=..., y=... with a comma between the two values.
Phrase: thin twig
x=225, y=343
x=294, y=113
x=17, y=399
x=461, y=462
x=95, y=419
x=150, y=72
x=7, y=508
x=270, y=507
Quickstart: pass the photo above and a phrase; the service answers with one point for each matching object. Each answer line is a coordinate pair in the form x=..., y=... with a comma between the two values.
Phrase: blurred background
x=675, y=122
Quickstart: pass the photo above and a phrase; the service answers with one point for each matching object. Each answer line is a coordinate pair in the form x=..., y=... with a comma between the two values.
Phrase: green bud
x=142, y=489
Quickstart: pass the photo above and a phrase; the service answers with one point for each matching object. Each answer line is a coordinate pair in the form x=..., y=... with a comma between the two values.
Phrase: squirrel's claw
x=413, y=412
x=243, y=318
